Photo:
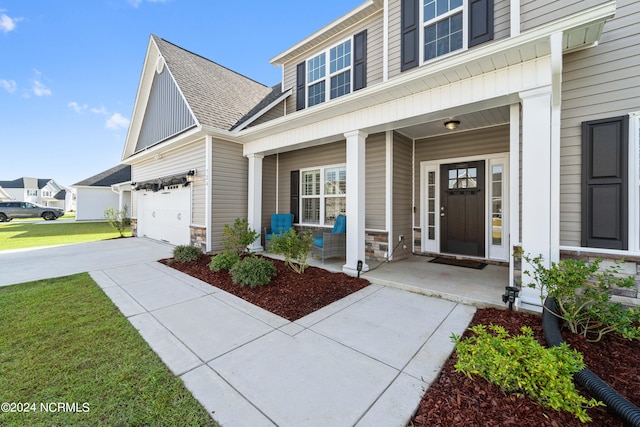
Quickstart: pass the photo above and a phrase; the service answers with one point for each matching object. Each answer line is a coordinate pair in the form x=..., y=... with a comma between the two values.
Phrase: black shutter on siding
x=409, y=57
x=295, y=195
x=360, y=60
x=605, y=183
x=300, y=86
x=480, y=21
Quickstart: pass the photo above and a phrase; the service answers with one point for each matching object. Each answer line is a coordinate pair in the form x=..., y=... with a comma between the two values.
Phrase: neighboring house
x=4, y=195
x=108, y=189
x=46, y=192
x=442, y=127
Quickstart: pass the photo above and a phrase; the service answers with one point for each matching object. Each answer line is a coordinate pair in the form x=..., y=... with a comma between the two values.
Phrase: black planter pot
x=616, y=404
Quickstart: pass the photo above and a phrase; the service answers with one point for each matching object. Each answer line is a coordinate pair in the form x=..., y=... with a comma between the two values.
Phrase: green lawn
x=64, y=346
x=20, y=234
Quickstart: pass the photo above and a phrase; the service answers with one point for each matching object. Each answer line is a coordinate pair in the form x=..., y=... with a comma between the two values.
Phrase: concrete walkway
x=365, y=360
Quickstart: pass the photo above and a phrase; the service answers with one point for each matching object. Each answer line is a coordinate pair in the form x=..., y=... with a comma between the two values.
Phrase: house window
x=336, y=74
x=46, y=193
x=32, y=193
x=444, y=27
x=497, y=175
x=323, y=194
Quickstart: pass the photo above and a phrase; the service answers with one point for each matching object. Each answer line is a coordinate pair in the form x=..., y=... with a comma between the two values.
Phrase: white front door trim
x=496, y=252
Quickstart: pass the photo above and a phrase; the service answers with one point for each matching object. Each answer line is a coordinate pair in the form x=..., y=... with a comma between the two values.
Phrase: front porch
x=481, y=288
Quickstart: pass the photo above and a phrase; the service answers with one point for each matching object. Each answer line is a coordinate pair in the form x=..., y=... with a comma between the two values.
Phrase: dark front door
x=462, y=208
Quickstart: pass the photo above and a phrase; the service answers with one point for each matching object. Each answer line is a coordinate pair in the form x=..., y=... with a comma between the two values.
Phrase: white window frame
x=327, y=74
x=322, y=196
x=32, y=193
x=465, y=30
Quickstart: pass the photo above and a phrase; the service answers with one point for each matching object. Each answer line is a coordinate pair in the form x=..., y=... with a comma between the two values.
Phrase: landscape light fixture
x=452, y=124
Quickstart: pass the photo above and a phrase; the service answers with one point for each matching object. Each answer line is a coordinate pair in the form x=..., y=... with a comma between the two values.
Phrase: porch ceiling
x=469, y=121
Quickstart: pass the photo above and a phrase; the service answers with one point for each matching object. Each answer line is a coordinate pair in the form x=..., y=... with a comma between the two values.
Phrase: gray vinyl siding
x=229, y=188
x=190, y=157
x=167, y=113
x=269, y=170
x=394, y=38
x=464, y=144
x=501, y=19
x=598, y=83
x=375, y=182
x=322, y=155
x=374, y=27
x=534, y=13
x=402, y=195
x=502, y=29
x=274, y=113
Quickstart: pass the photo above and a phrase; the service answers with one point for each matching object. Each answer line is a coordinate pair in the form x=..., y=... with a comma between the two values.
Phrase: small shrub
x=253, y=271
x=583, y=295
x=521, y=365
x=295, y=247
x=118, y=219
x=224, y=261
x=186, y=253
x=236, y=238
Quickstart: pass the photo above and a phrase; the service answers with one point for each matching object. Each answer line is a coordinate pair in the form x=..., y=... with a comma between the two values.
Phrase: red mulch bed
x=453, y=399
x=289, y=295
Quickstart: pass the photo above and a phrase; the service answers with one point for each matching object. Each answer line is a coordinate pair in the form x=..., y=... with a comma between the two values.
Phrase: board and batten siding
x=181, y=160
x=374, y=29
x=269, y=182
x=501, y=21
x=534, y=13
x=463, y=144
x=229, y=188
x=597, y=83
x=375, y=182
x=402, y=195
x=322, y=155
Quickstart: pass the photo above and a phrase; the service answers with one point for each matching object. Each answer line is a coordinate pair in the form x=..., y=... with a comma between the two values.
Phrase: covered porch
x=480, y=288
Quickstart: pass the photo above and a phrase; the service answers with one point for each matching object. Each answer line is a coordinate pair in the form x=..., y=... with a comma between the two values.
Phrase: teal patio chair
x=331, y=244
x=280, y=223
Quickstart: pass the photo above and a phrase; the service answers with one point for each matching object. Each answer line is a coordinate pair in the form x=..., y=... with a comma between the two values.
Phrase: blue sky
x=69, y=69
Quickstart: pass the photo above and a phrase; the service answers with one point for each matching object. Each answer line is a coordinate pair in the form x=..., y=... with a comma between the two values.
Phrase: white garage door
x=166, y=215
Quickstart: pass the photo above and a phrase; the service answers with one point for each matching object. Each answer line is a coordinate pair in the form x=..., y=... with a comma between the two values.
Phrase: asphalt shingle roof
x=218, y=96
x=115, y=175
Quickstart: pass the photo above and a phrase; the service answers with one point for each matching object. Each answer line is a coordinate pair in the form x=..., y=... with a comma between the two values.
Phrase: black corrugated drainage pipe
x=616, y=404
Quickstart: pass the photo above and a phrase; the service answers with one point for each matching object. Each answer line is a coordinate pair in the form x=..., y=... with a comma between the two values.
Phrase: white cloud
x=117, y=121
x=137, y=3
x=7, y=23
x=77, y=107
x=8, y=85
x=39, y=89
x=100, y=110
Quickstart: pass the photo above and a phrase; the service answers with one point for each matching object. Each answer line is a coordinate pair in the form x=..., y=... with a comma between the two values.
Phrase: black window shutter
x=295, y=195
x=605, y=183
x=480, y=21
x=300, y=86
x=410, y=16
x=360, y=60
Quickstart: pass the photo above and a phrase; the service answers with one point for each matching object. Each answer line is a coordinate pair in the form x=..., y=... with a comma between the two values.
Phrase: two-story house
x=461, y=127
x=46, y=192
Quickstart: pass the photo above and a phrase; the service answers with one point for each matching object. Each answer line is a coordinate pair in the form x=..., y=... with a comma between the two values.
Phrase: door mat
x=468, y=263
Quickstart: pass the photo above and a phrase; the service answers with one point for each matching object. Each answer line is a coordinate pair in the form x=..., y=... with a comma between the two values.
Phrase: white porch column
x=536, y=184
x=355, y=201
x=254, y=208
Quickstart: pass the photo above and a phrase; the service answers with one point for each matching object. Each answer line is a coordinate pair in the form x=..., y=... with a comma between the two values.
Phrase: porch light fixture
x=191, y=176
x=452, y=124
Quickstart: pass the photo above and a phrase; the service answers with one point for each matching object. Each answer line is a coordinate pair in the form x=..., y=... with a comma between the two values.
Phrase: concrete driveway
x=26, y=265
